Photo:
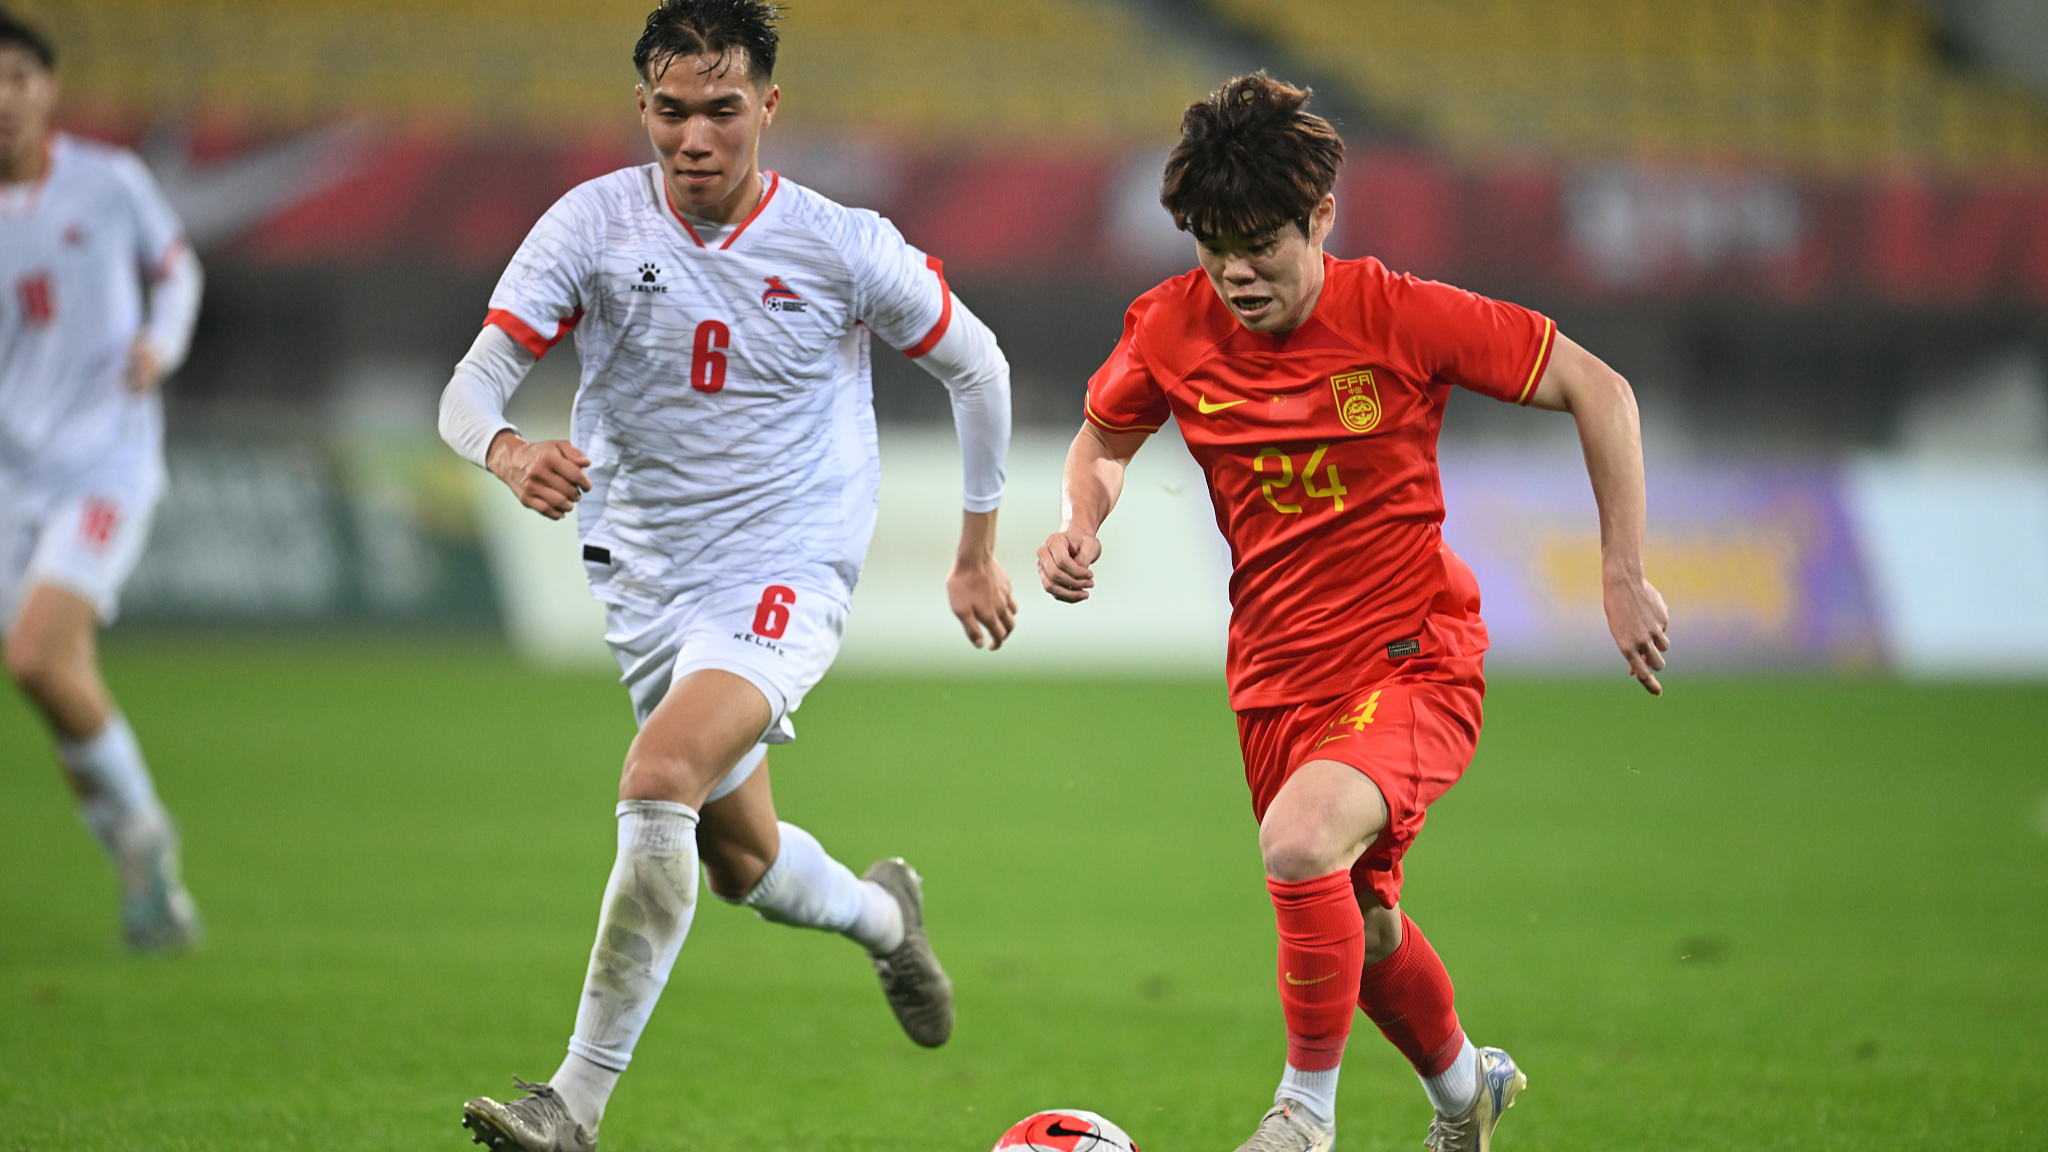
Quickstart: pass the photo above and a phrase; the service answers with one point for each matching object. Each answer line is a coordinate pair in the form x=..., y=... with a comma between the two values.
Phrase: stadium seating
x=1814, y=85
x=994, y=69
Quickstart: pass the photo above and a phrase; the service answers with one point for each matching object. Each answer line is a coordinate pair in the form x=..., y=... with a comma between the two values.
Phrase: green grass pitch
x=1756, y=914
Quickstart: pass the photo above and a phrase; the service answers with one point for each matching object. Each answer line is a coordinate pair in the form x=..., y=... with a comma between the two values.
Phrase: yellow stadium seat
x=1821, y=85
x=993, y=69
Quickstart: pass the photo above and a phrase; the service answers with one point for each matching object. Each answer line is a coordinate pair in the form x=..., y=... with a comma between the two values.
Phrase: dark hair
x=13, y=31
x=710, y=28
x=1249, y=160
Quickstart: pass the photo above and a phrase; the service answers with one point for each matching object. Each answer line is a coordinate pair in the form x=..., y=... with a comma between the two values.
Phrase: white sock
x=585, y=1087
x=1454, y=1090
x=1313, y=1092
x=117, y=789
x=810, y=889
x=648, y=905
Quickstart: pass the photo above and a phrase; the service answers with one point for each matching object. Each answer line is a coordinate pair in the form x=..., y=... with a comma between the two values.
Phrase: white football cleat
x=1285, y=1129
x=157, y=913
x=918, y=990
x=537, y=1122
x=1472, y=1129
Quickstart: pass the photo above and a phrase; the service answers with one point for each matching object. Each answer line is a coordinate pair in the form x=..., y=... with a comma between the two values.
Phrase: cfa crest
x=1358, y=400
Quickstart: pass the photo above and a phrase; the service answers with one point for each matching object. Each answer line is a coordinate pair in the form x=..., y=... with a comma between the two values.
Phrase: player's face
x=1270, y=281
x=705, y=116
x=28, y=95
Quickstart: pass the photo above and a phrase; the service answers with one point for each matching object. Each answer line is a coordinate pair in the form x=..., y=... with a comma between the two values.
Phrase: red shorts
x=1411, y=735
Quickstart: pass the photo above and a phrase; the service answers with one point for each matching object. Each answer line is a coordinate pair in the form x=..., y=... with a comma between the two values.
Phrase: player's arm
x=968, y=361
x=1610, y=433
x=547, y=475
x=172, y=279
x=175, y=286
x=1089, y=487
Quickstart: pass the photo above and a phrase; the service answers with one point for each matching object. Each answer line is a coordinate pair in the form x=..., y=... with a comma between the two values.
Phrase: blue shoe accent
x=1499, y=1075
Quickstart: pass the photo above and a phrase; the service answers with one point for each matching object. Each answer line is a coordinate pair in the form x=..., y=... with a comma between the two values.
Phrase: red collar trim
x=670, y=199
x=774, y=182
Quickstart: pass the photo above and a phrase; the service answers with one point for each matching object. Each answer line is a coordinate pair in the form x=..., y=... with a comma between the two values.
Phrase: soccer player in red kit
x=1311, y=391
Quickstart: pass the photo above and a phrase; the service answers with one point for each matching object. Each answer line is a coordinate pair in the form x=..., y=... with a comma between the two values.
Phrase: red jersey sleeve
x=1463, y=338
x=1124, y=395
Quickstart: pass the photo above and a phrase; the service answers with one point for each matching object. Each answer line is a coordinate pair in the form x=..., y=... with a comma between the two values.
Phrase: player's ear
x=769, y=103
x=640, y=99
x=1322, y=220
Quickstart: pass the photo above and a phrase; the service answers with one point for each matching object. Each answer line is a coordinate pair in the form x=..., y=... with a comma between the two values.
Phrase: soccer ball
x=1065, y=1130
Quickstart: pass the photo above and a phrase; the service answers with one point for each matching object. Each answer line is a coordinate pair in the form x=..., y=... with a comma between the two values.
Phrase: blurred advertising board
x=1931, y=569
x=301, y=532
x=1928, y=567
x=1757, y=560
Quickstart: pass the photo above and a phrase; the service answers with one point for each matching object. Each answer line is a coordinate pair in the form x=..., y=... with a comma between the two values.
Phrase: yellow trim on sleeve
x=1088, y=407
x=1542, y=358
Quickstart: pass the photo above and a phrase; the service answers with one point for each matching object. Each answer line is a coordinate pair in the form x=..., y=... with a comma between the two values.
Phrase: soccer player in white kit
x=100, y=294
x=723, y=470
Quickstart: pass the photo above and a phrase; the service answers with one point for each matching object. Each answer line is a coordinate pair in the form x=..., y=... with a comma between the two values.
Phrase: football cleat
x=916, y=986
x=1472, y=1129
x=537, y=1122
x=157, y=913
x=1287, y=1129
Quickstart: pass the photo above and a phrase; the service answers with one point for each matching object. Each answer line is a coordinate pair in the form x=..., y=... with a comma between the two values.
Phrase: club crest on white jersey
x=780, y=297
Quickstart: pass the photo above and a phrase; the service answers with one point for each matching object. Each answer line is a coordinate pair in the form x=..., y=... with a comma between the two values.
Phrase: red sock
x=1409, y=996
x=1322, y=952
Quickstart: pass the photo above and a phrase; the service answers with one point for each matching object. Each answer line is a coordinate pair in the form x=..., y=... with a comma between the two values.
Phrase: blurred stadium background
x=1812, y=233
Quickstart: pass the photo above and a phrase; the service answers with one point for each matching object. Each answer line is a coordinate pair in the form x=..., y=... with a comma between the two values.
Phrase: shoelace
x=1453, y=1130
x=540, y=1098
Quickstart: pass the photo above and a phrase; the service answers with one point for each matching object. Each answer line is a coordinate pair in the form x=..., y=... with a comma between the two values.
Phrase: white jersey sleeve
x=899, y=292
x=967, y=360
x=473, y=403
x=158, y=230
x=171, y=270
x=901, y=295
x=545, y=289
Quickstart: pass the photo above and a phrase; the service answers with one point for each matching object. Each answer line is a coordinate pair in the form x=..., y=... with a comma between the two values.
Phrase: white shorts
x=84, y=538
x=779, y=637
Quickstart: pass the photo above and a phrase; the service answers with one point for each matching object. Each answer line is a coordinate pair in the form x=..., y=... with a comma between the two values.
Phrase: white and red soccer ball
x=1064, y=1130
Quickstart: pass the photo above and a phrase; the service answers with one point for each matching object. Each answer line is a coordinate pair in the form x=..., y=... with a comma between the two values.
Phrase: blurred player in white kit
x=724, y=474
x=98, y=294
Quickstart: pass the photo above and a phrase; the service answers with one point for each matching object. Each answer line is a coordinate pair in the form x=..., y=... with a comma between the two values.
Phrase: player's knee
x=679, y=777
x=1298, y=850
x=31, y=664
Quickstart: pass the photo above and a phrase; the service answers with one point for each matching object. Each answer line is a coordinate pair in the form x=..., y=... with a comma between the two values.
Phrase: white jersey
x=725, y=401
x=76, y=249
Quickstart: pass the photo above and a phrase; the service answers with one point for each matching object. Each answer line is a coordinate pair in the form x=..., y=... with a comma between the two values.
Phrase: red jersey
x=1320, y=450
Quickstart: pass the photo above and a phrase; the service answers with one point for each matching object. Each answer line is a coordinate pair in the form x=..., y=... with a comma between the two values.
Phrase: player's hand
x=1063, y=564
x=546, y=475
x=979, y=591
x=145, y=367
x=1638, y=619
